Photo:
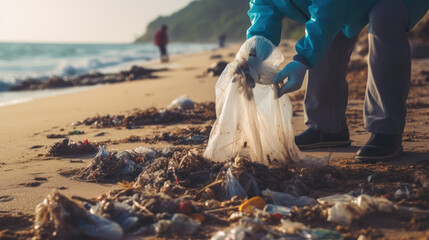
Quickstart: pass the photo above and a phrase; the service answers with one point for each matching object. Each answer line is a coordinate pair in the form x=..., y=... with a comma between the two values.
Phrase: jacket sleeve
x=266, y=21
x=320, y=30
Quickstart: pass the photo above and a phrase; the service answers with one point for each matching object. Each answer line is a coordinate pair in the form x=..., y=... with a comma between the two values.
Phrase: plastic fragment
x=199, y=217
x=72, y=220
x=147, y=153
x=289, y=227
x=184, y=224
x=319, y=234
x=235, y=216
x=255, y=202
x=332, y=199
x=233, y=187
x=286, y=199
x=182, y=102
x=345, y=212
x=167, y=152
x=276, y=209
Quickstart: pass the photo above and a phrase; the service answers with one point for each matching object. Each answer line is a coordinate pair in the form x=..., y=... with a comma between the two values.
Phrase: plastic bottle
x=273, y=209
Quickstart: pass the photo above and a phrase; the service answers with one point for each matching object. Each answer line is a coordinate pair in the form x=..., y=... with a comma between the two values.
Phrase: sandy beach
x=28, y=175
x=27, y=124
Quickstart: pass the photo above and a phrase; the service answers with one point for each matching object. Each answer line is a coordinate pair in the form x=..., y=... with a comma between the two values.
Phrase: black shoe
x=311, y=138
x=380, y=147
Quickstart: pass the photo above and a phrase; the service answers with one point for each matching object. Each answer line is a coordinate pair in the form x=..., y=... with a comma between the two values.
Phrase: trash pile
x=199, y=113
x=184, y=111
x=177, y=193
x=114, y=166
x=65, y=148
x=191, y=135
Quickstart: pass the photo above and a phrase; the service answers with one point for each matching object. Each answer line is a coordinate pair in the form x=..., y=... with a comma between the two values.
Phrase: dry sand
x=27, y=124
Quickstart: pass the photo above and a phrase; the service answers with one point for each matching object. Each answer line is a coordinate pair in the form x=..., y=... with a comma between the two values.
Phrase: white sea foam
x=34, y=60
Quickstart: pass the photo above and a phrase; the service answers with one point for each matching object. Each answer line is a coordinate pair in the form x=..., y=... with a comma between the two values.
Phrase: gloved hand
x=295, y=72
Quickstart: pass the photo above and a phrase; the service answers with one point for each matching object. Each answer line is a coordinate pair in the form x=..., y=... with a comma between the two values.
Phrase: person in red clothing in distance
x=161, y=40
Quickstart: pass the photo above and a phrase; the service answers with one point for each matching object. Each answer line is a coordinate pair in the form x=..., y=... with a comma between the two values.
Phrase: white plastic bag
x=253, y=121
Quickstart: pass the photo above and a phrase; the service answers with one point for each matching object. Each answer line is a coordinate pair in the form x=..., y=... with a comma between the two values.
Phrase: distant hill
x=205, y=20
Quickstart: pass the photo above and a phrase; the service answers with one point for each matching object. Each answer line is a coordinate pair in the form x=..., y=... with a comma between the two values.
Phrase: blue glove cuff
x=302, y=60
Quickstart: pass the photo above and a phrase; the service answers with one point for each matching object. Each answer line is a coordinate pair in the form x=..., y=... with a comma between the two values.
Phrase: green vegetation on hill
x=205, y=20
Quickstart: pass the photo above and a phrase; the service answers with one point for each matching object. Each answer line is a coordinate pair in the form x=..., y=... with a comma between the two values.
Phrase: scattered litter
x=286, y=199
x=58, y=217
x=276, y=209
x=233, y=187
x=344, y=212
x=403, y=193
x=63, y=148
x=182, y=102
x=111, y=165
x=251, y=204
x=198, y=113
x=76, y=132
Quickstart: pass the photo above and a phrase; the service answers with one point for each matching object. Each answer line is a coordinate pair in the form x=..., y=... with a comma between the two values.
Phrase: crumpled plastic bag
x=58, y=217
x=182, y=102
x=254, y=121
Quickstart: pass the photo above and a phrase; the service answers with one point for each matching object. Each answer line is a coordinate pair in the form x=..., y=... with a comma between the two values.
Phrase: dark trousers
x=389, y=71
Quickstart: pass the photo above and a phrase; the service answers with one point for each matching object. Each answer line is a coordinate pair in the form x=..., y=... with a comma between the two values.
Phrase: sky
x=84, y=21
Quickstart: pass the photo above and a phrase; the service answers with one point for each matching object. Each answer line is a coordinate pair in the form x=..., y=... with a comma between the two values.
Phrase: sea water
x=43, y=60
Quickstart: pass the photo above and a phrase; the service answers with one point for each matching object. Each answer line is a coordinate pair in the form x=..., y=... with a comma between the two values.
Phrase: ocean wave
x=42, y=61
x=73, y=67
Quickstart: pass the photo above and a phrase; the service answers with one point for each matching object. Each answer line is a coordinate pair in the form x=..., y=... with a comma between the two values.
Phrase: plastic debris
x=402, y=193
x=345, y=212
x=267, y=135
x=118, y=212
x=276, y=209
x=287, y=199
x=167, y=152
x=76, y=132
x=61, y=218
x=332, y=199
x=233, y=187
x=111, y=166
x=320, y=234
x=63, y=148
x=182, y=102
x=249, y=205
x=235, y=216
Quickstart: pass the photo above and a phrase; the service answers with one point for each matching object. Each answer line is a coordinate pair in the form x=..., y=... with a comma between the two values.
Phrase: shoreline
x=28, y=89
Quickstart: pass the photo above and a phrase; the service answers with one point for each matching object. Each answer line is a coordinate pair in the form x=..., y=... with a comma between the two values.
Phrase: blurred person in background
x=161, y=40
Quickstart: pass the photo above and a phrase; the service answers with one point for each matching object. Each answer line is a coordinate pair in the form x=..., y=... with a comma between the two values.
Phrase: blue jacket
x=323, y=20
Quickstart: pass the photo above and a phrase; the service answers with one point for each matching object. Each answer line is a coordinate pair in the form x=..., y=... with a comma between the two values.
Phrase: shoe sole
x=325, y=145
x=368, y=159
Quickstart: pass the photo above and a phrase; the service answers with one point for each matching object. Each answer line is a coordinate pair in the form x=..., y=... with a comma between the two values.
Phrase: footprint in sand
x=6, y=198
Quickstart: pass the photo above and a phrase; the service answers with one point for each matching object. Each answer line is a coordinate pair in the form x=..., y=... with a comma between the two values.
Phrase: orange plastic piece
x=254, y=202
x=199, y=217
